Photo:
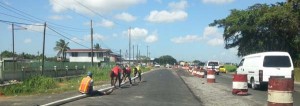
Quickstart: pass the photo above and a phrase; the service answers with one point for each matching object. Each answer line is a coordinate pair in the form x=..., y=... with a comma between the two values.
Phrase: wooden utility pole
x=137, y=52
x=13, y=41
x=120, y=56
x=43, y=58
x=92, y=54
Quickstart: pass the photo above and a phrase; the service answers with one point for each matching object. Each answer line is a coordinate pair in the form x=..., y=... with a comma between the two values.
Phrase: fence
x=23, y=70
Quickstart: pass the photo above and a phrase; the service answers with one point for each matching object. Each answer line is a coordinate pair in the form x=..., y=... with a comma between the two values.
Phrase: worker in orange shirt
x=86, y=85
x=115, y=75
x=127, y=72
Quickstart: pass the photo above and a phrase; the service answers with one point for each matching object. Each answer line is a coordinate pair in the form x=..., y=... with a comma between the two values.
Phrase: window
x=277, y=61
x=213, y=64
x=74, y=54
x=90, y=54
x=100, y=54
x=241, y=63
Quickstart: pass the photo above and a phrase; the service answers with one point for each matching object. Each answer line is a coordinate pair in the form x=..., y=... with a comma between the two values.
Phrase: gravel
x=214, y=94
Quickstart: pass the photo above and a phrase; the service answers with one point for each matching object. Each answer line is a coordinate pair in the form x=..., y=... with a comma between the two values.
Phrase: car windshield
x=277, y=61
x=213, y=64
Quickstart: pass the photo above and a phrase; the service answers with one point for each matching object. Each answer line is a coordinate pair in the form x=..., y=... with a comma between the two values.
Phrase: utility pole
x=43, y=58
x=137, y=52
x=147, y=55
x=120, y=56
x=133, y=53
x=13, y=40
x=129, y=36
x=92, y=54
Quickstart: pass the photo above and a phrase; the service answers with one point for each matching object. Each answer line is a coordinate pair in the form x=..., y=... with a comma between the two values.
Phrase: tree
x=97, y=46
x=262, y=28
x=166, y=59
x=6, y=54
x=61, y=48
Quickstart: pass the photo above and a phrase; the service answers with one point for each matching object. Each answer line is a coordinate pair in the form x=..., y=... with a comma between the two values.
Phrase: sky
x=179, y=28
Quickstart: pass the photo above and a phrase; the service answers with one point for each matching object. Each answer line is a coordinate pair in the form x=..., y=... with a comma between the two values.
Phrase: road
x=158, y=88
x=256, y=95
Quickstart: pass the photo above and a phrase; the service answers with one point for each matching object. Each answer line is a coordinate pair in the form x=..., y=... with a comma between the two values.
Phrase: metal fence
x=22, y=70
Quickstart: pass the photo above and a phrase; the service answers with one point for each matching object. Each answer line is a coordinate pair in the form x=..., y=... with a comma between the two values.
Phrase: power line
x=72, y=10
x=100, y=15
x=12, y=9
x=19, y=23
x=66, y=37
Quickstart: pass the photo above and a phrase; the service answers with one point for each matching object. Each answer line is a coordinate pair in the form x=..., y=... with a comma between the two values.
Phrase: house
x=85, y=55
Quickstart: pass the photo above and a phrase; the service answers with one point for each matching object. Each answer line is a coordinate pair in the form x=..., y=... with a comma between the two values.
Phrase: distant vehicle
x=212, y=65
x=259, y=67
x=222, y=69
x=156, y=65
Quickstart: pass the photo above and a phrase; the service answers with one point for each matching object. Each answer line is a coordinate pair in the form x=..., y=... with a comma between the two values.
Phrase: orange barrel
x=280, y=91
x=211, y=76
x=239, y=84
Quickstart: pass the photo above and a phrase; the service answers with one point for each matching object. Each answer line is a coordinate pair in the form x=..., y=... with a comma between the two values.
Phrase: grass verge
x=297, y=74
x=42, y=84
x=230, y=68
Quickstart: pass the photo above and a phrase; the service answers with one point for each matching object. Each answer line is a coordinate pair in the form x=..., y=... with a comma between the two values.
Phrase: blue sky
x=169, y=27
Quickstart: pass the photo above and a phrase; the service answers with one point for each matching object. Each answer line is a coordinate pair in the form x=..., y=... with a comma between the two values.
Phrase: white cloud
x=137, y=33
x=166, y=16
x=211, y=36
x=211, y=31
x=186, y=39
x=96, y=37
x=218, y=1
x=215, y=42
x=178, y=5
x=100, y=6
x=59, y=17
x=151, y=38
x=142, y=34
x=107, y=23
x=27, y=41
x=76, y=39
x=125, y=17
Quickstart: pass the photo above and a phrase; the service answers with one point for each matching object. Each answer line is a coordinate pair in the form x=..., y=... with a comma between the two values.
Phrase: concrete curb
x=70, y=99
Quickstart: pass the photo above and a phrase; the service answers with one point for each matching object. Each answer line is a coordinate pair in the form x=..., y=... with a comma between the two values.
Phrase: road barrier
x=239, y=84
x=201, y=73
x=280, y=91
x=194, y=72
x=211, y=76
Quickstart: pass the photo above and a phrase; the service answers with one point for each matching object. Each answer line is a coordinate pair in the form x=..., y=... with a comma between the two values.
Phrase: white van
x=211, y=65
x=259, y=67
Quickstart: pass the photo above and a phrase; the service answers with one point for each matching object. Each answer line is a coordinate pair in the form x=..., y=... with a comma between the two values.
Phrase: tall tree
x=61, y=48
x=97, y=46
x=166, y=59
x=262, y=28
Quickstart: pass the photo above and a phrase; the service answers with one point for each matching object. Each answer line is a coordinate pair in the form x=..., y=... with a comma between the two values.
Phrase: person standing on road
x=115, y=75
x=139, y=71
x=86, y=85
x=127, y=72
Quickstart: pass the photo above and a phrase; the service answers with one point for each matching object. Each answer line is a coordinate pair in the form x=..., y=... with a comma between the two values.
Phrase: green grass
x=42, y=84
x=230, y=68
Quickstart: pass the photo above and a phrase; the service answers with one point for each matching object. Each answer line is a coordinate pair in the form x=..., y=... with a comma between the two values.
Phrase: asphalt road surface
x=257, y=95
x=158, y=88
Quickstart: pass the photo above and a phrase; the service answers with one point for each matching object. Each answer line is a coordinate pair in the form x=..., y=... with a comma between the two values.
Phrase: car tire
x=252, y=84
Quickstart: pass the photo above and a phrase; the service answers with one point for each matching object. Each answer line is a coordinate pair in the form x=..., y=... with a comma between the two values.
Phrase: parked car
x=212, y=65
x=222, y=69
x=260, y=67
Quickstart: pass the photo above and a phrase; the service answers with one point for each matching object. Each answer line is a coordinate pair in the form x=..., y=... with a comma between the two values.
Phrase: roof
x=88, y=50
x=267, y=53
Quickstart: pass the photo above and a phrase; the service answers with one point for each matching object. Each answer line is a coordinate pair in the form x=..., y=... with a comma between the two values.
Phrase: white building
x=85, y=55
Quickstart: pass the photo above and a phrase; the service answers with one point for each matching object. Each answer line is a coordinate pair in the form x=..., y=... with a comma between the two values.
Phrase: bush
x=230, y=68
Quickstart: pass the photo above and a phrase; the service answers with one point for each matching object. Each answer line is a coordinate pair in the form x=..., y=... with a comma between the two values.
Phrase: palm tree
x=97, y=46
x=61, y=47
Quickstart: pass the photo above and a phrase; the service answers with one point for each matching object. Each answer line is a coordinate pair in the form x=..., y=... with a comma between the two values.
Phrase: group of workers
x=118, y=73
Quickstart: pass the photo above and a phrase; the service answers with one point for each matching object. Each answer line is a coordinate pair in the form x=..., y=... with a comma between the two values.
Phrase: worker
x=127, y=72
x=139, y=72
x=116, y=75
x=86, y=85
